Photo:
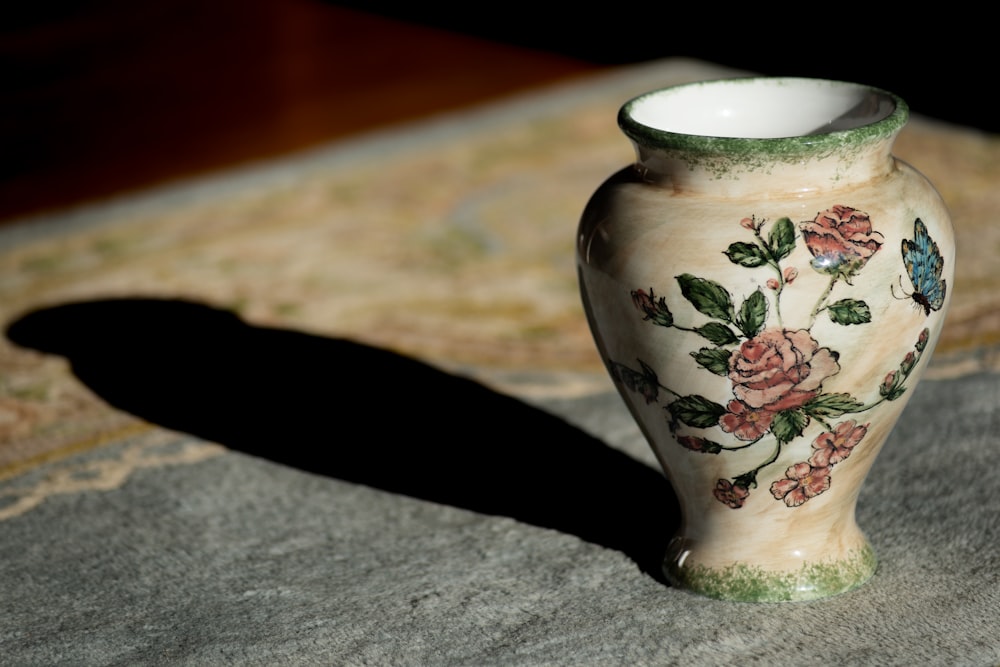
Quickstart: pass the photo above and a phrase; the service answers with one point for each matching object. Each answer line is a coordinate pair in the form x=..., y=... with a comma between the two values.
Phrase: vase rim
x=762, y=115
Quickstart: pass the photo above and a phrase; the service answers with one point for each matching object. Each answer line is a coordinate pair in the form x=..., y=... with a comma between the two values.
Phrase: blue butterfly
x=924, y=264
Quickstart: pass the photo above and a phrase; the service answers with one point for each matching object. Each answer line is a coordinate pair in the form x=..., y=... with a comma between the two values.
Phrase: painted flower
x=922, y=340
x=744, y=422
x=802, y=482
x=834, y=446
x=772, y=283
x=733, y=495
x=780, y=369
x=909, y=361
x=749, y=223
x=841, y=240
x=892, y=386
x=791, y=273
x=697, y=444
x=654, y=310
x=645, y=383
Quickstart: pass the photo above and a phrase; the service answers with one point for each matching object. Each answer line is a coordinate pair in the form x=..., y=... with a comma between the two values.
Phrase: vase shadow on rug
x=354, y=412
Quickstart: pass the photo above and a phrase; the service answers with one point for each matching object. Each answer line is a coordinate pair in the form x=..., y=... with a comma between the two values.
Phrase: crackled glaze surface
x=766, y=323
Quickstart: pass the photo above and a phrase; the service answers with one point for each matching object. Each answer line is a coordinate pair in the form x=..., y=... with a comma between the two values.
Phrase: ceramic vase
x=765, y=285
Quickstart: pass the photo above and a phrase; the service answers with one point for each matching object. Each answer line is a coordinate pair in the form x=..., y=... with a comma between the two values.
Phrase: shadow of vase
x=354, y=412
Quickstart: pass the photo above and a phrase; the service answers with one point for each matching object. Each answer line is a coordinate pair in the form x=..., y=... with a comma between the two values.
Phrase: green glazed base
x=747, y=583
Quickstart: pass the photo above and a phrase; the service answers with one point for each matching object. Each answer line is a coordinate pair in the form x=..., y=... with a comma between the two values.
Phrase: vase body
x=765, y=285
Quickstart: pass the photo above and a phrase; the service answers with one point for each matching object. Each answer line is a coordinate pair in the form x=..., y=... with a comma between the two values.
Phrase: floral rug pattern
x=451, y=241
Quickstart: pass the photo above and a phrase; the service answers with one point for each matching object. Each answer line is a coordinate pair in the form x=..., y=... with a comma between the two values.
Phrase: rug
x=343, y=408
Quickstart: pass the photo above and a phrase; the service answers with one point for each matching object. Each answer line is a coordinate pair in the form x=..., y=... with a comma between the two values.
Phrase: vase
x=765, y=285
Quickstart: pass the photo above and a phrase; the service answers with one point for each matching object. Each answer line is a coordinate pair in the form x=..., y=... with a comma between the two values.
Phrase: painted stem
x=820, y=304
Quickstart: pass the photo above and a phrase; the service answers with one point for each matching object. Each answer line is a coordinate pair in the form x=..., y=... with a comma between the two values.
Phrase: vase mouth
x=762, y=114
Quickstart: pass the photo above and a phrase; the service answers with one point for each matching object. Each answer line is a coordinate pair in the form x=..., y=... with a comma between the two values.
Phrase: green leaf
x=717, y=333
x=781, y=240
x=789, y=425
x=746, y=254
x=696, y=411
x=715, y=360
x=895, y=393
x=850, y=311
x=832, y=405
x=709, y=297
x=747, y=480
x=752, y=314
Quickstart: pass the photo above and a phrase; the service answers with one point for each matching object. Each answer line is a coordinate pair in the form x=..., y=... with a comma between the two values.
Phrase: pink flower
x=834, y=446
x=733, y=495
x=696, y=444
x=802, y=482
x=745, y=422
x=653, y=309
x=780, y=369
x=691, y=442
x=889, y=384
x=922, y=340
x=841, y=240
x=908, y=362
x=791, y=273
x=772, y=284
x=642, y=300
x=749, y=223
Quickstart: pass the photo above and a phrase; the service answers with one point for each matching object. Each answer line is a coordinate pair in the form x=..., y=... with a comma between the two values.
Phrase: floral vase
x=765, y=285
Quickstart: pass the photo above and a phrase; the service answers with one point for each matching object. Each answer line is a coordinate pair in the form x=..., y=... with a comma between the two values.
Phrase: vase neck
x=763, y=135
x=745, y=172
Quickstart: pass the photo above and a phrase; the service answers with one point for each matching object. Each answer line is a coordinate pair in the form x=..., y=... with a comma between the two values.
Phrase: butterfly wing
x=924, y=265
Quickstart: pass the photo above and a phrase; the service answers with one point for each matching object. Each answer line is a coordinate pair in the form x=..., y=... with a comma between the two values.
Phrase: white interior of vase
x=762, y=108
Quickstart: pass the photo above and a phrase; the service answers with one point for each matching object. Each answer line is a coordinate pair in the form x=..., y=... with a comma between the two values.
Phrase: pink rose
x=841, y=240
x=780, y=369
x=922, y=340
x=909, y=361
x=654, y=310
x=696, y=444
x=890, y=384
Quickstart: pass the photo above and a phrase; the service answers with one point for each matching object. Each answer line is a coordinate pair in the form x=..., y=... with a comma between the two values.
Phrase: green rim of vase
x=777, y=148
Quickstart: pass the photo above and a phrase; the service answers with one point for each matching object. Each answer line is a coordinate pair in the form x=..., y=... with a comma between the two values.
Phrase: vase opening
x=761, y=108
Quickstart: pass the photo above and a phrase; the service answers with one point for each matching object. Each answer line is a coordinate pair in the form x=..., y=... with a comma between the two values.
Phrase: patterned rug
x=449, y=242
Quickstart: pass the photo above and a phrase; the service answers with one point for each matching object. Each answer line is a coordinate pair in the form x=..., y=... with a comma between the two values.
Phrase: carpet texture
x=232, y=558
x=343, y=408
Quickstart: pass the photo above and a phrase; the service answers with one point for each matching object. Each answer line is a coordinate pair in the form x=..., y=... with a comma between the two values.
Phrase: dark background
x=101, y=97
x=943, y=63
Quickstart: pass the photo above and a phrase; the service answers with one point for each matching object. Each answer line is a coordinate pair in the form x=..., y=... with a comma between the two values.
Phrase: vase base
x=741, y=582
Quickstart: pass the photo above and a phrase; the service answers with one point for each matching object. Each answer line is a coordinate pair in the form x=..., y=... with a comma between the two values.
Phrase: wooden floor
x=124, y=95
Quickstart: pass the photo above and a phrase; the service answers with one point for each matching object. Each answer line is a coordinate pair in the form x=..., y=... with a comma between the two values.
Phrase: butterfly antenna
x=892, y=288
